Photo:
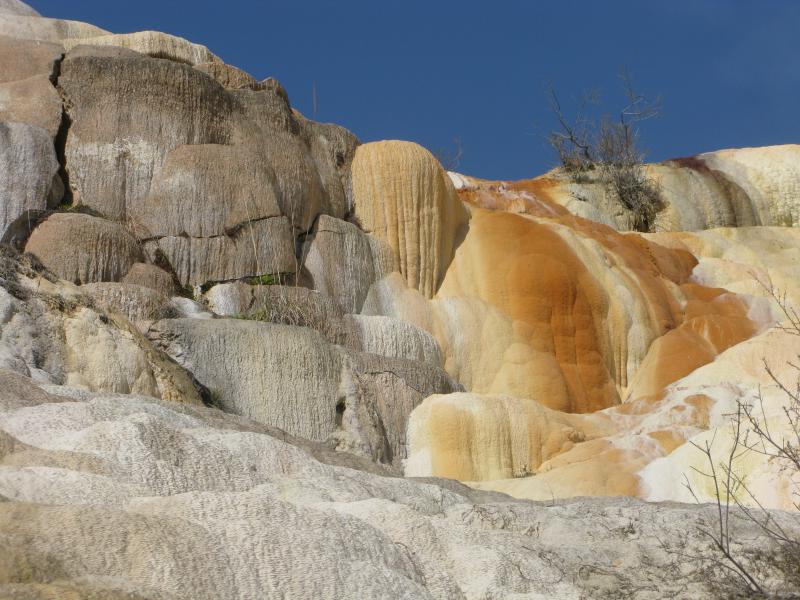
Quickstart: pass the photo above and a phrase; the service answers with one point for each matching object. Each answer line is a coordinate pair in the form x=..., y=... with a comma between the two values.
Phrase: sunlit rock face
x=562, y=312
x=227, y=331
x=628, y=326
x=547, y=305
x=403, y=197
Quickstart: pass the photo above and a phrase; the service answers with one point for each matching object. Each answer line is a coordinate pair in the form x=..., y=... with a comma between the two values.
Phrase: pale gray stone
x=29, y=181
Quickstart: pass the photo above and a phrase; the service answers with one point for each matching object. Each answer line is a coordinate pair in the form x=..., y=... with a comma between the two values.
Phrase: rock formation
x=403, y=197
x=244, y=355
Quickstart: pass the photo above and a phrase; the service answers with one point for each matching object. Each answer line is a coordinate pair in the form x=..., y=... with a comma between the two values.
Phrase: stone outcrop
x=396, y=338
x=229, y=76
x=728, y=188
x=58, y=333
x=255, y=249
x=292, y=378
x=27, y=74
x=219, y=181
x=29, y=181
x=150, y=276
x=84, y=249
x=279, y=375
x=24, y=25
x=135, y=483
x=403, y=197
x=123, y=126
x=343, y=262
x=138, y=304
x=207, y=224
x=207, y=190
x=193, y=109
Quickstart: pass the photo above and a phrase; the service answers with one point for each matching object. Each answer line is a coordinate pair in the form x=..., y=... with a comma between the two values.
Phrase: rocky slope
x=244, y=355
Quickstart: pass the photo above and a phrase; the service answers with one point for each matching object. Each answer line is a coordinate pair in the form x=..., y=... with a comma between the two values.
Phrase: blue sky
x=726, y=70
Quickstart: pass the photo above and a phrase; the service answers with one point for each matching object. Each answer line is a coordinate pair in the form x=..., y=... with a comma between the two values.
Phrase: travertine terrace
x=245, y=355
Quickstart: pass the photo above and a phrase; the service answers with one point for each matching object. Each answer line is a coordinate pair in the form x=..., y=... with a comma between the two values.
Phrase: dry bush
x=610, y=151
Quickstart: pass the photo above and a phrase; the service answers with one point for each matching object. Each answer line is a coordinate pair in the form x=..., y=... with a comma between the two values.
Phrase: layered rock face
x=239, y=350
x=214, y=182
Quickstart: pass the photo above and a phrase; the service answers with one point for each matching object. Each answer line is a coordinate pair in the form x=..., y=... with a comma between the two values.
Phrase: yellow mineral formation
x=403, y=197
x=652, y=337
x=557, y=309
x=473, y=437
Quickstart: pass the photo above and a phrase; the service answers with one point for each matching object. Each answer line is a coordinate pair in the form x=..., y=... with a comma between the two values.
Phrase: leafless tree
x=574, y=142
x=751, y=432
x=450, y=159
x=611, y=147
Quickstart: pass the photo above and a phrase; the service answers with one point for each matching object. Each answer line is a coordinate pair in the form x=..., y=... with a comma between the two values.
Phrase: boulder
x=27, y=93
x=136, y=303
x=309, y=160
x=205, y=170
x=150, y=276
x=124, y=124
x=99, y=357
x=207, y=190
x=377, y=397
x=29, y=181
x=263, y=247
x=403, y=197
x=343, y=262
x=229, y=299
x=284, y=304
x=283, y=376
x=332, y=149
x=388, y=336
x=57, y=333
x=84, y=249
x=292, y=378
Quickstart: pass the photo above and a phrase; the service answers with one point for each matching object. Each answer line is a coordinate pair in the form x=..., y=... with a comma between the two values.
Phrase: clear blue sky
x=431, y=71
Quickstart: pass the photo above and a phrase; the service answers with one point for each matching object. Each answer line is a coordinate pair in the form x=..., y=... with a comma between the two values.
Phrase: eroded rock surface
x=293, y=378
x=150, y=480
x=403, y=197
x=354, y=312
x=84, y=249
x=29, y=181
